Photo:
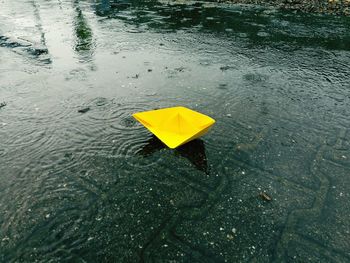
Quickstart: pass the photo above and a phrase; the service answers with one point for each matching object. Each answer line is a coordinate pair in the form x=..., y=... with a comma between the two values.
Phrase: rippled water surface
x=81, y=181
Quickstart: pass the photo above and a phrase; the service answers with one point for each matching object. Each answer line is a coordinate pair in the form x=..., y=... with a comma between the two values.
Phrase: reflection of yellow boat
x=175, y=126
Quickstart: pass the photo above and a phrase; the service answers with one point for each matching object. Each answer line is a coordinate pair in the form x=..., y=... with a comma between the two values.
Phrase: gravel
x=336, y=7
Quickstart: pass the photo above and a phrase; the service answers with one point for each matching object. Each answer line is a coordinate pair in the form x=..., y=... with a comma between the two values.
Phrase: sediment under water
x=81, y=181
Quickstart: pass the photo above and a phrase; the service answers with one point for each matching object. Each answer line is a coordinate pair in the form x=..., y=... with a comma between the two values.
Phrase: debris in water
x=149, y=70
x=2, y=104
x=230, y=237
x=223, y=68
x=151, y=94
x=223, y=86
x=37, y=50
x=180, y=69
x=5, y=239
x=84, y=110
x=265, y=196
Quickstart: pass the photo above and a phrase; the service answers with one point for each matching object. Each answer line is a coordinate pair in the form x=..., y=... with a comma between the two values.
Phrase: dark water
x=81, y=181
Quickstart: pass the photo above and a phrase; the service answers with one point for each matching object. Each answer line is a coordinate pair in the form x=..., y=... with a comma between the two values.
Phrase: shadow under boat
x=194, y=151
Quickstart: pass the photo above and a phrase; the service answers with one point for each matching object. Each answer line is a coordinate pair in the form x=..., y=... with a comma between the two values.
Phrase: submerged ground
x=81, y=181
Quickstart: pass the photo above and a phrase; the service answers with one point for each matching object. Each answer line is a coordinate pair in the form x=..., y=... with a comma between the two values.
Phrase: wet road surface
x=81, y=181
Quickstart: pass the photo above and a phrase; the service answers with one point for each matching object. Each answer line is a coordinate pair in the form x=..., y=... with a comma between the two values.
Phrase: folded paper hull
x=175, y=126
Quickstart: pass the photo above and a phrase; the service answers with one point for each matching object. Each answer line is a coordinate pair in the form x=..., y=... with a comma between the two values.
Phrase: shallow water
x=81, y=181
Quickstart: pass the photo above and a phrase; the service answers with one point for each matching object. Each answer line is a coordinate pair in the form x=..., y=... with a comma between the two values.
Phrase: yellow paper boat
x=175, y=126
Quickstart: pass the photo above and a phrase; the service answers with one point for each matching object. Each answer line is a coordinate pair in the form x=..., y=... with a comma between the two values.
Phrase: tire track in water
x=62, y=179
x=167, y=230
x=289, y=233
x=53, y=202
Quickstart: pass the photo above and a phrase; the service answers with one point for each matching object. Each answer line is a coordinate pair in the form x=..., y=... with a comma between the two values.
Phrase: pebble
x=338, y=7
x=265, y=196
x=230, y=237
x=2, y=104
x=84, y=110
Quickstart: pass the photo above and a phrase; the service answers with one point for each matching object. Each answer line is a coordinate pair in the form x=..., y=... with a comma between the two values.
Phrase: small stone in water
x=84, y=110
x=223, y=68
x=265, y=196
x=47, y=216
x=230, y=237
x=2, y=104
